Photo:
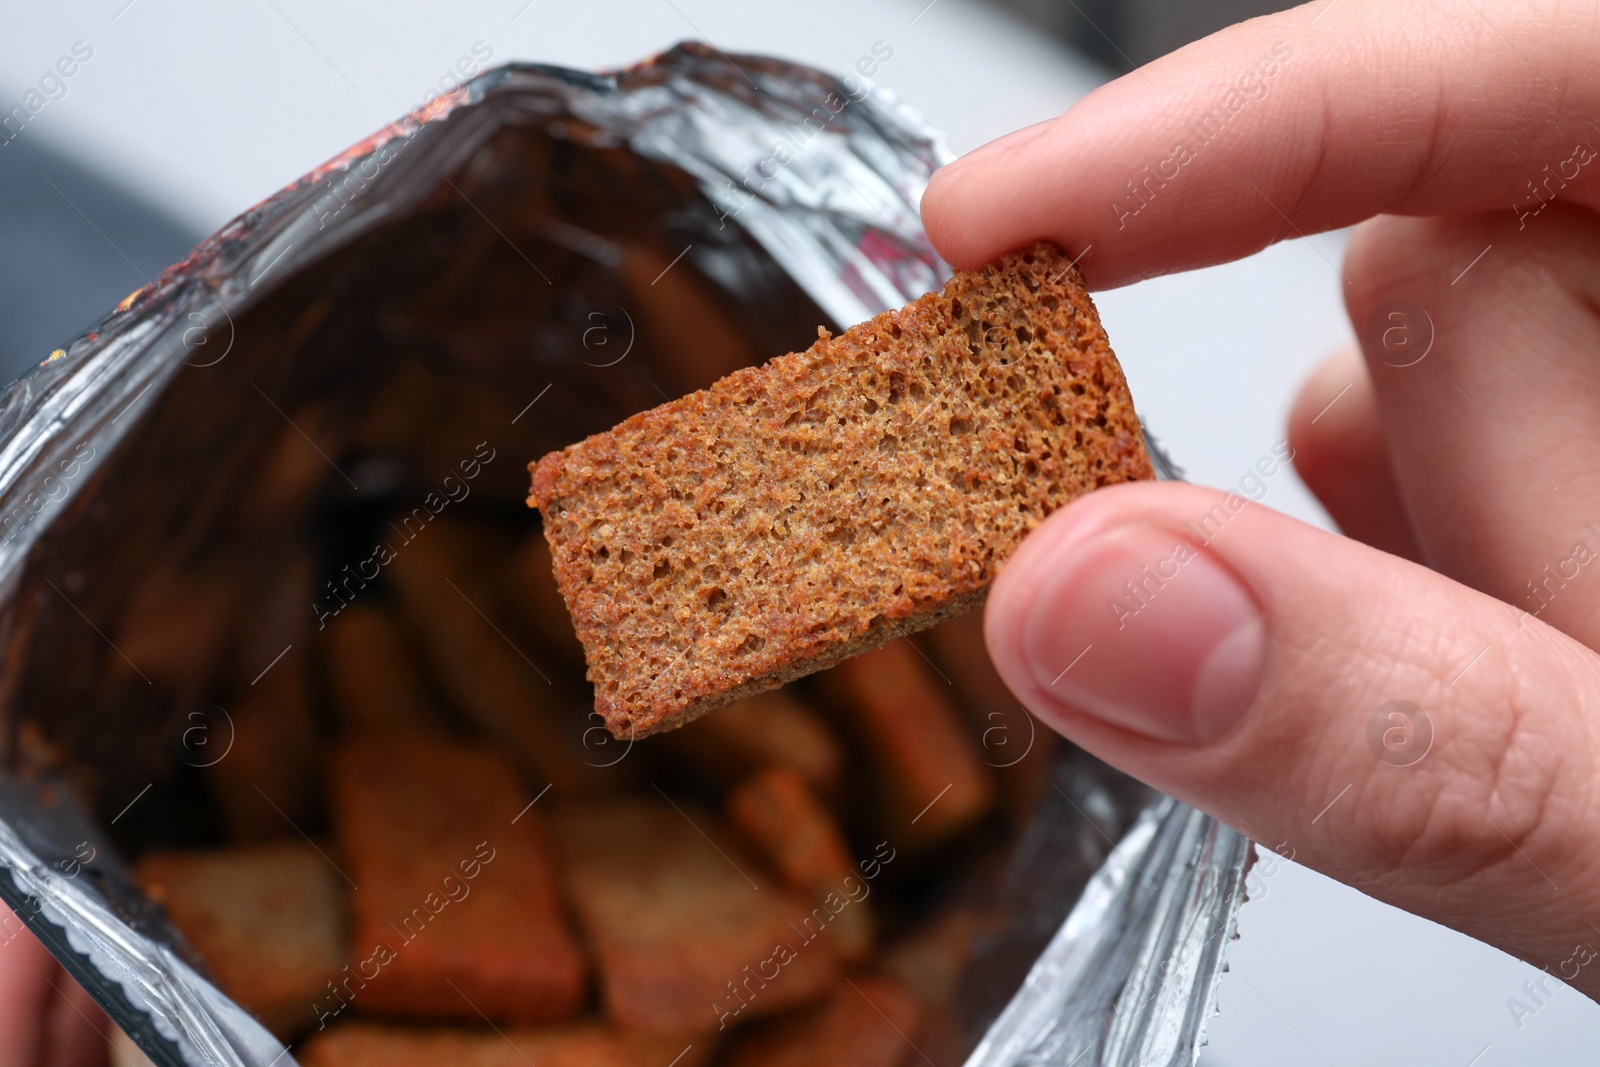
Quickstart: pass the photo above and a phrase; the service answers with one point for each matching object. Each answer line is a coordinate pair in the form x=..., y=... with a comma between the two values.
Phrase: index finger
x=1291, y=124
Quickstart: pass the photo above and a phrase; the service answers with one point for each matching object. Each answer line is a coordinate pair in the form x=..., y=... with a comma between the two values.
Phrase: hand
x=1252, y=666
x=46, y=1019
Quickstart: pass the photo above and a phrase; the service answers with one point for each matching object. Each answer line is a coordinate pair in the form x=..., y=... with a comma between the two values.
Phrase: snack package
x=275, y=622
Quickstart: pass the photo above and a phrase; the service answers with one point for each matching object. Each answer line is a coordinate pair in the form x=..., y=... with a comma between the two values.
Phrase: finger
x=1307, y=120
x=1248, y=668
x=1492, y=415
x=1340, y=453
x=78, y=1034
x=26, y=968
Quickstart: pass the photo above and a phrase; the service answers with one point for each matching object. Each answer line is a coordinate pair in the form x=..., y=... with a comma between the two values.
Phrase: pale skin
x=1245, y=684
x=46, y=1019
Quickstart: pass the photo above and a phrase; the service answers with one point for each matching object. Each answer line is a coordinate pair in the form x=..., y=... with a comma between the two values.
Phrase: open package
x=299, y=760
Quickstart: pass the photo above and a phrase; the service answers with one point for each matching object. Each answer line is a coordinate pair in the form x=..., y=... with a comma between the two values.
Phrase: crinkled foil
x=138, y=449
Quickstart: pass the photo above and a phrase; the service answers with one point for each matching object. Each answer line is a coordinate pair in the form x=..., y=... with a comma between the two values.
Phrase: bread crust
x=684, y=938
x=457, y=917
x=797, y=513
x=267, y=921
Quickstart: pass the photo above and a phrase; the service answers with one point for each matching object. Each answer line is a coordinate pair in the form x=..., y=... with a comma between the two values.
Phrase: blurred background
x=185, y=113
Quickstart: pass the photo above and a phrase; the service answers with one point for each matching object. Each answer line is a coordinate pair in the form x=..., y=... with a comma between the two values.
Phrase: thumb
x=1402, y=733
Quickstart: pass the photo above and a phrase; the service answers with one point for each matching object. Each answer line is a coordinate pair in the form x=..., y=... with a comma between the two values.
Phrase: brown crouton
x=829, y=501
x=494, y=682
x=457, y=915
x=930, y=961
x=266, y=920
x=771, y=728
x=684, y=320
x=268, y=782
x=932, y=783
x=176, y=627
x=867, y=1023
x=535, y=583
x=931, y=958
x=270, y=779
x=783, y=820
x=374, y=675
x=684, y=935
x=577, y=1045
x=1021, y=751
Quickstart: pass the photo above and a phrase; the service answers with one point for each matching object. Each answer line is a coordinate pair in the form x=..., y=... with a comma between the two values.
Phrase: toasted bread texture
x=584, y=1044
x=831, y=500
x=867, y=1023
x=457, y=917
x=684, y=937
x=924, y=770
x=267, y=920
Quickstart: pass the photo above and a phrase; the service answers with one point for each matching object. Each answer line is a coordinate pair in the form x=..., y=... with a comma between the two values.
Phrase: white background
x=205, y=108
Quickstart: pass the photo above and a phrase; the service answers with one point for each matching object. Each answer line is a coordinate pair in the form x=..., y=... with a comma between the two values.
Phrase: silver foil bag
x=518, y=264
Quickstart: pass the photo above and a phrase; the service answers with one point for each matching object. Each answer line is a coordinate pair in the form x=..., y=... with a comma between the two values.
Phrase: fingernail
x=1144, y=629
x=1000, y=144
x=1010, y=140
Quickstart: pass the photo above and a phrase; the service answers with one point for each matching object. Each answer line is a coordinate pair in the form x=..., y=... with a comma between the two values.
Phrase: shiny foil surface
x=520, y=263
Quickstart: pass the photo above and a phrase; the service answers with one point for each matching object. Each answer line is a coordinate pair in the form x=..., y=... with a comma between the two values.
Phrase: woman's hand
x=46, y=1019
x=1429, y=736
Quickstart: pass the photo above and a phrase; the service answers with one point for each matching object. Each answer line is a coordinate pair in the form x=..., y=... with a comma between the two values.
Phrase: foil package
x=520, y=263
